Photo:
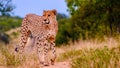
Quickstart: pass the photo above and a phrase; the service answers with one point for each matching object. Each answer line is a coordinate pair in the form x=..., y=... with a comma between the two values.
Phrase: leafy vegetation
x=90, y=19
x=7, y=23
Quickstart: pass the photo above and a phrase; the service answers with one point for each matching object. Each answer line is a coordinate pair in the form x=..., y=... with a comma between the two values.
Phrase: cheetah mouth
x=47, y=22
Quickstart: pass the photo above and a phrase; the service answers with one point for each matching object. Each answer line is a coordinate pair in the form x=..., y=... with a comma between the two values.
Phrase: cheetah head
x=49, y=16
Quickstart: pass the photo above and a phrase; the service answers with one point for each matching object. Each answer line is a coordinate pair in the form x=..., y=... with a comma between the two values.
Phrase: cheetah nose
x=45, y=20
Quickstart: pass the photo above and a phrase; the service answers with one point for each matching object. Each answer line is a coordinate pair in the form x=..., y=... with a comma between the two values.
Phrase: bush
x=4, y=38
x=63, y=32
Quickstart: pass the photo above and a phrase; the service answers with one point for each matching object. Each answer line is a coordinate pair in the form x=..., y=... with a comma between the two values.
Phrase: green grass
x=93, y=58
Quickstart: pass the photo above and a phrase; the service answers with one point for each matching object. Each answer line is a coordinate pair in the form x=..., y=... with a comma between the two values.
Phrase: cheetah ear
x=54, y=11
x=44, y=11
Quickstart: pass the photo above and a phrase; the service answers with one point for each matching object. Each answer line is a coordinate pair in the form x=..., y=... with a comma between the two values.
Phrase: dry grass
x=88, y=44
x=11, y=59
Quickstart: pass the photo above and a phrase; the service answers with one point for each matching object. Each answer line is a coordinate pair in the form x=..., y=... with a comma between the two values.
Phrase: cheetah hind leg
x=23, y=41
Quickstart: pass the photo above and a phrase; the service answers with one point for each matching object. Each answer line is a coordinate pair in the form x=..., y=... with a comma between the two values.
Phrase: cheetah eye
x=48, y=15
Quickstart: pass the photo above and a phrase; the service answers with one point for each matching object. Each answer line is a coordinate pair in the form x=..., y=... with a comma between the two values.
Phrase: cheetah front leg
x=42, y=50
x=39, y=52
x=52, y=46
x=46, y=49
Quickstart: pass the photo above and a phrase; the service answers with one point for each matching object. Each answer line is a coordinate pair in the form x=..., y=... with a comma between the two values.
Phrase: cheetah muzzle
x=46, y=21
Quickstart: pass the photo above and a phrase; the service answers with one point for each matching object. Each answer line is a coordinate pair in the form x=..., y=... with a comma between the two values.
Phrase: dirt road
x=59, y=65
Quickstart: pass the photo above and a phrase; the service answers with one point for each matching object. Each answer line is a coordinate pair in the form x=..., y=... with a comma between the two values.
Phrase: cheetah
x=44, y=30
